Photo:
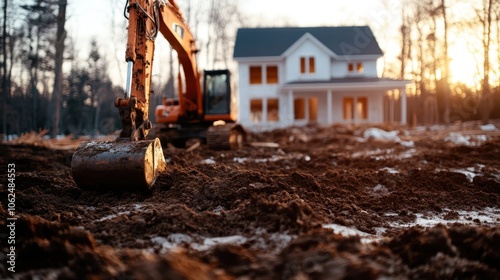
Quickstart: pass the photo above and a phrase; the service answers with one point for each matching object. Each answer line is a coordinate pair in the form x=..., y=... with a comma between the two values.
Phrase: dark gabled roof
x=342, y=40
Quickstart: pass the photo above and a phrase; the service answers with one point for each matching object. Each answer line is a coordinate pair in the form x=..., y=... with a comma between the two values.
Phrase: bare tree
x=96, y=72
x=38, y=57
x=57, y=90
x=223, y=18
x=485, y=16
x=405, y=42
x=446, y=74
x=498, y=42
x=4, y=68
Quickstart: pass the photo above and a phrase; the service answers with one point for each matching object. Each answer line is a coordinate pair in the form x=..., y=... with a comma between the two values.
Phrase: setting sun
x=465, y=66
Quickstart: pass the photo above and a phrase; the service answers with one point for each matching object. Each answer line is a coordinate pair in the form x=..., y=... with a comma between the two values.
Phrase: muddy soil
x=329, y=203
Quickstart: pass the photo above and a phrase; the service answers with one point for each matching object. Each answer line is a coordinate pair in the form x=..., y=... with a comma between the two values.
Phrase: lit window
x=348, y=108
x=312, y=67
x=299, y=108
x=359, y=67
x=272, y=74
x=355, y=67
x=272, y=110
x=256, y=110
x=362, y=108
x=307, y=65
x=350, y=67
x=255, y=75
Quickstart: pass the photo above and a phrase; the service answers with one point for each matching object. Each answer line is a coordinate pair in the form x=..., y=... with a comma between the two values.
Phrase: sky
x=104, y=21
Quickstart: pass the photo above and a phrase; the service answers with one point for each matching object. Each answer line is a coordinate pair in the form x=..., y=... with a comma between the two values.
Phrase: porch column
x=264, y=110
x=355, y=111
x=403, y=105
x=391, y=107
x=329, y=107
x=307, y=109
x=291, y=112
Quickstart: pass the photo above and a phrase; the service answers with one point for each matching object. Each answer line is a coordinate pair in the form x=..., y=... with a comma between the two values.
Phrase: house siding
x=307, y=49
x=322, y=91
x=263, y=91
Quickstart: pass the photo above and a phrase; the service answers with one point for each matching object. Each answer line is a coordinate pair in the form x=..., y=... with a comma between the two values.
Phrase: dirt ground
x=328, y=203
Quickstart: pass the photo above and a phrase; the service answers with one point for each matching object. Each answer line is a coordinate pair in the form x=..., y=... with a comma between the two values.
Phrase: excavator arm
x=173, y=27
x=146, y=20
x=132, y=162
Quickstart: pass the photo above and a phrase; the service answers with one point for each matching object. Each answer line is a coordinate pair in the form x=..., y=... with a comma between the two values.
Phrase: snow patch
x=112, y=216
x=171, y=241
x=345, y=231
x=469, y=174
x=380, y=190
x=208, y=161
x=239, y=160
x=274, y=158
x=387, y=136
x=218, y=210
x=489, y=216
x=389, y=170
x=379, y=134
x=352, y=231
x=465, y=140
x=488, y=127
x=136, y=206
x=213, y=241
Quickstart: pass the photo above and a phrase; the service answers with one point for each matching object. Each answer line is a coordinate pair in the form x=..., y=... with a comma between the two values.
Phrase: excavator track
x=225, y=137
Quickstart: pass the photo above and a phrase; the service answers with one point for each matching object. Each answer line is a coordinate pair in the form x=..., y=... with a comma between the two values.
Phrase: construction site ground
x=297, y=203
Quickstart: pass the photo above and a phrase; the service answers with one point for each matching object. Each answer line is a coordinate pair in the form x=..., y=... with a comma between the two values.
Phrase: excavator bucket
x=226, y=137
x=118, y=165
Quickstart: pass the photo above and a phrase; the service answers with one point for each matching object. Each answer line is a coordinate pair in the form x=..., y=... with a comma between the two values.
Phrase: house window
x=350, y=67
x=272, y=74
x=355, y=67
x=348, y=108
x=312, y=67
x=307, y=65
x=313, y=109
x=273, y=110
x=255, y=75
x=299, y=108
x=359, y=67
x=256, y=110
x=362, y=108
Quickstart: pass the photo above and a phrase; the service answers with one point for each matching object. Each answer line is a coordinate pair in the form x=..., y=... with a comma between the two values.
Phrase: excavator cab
x=217, y=92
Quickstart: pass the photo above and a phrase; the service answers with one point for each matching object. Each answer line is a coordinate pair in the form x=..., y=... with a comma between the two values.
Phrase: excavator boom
x=133, y=161
x=130, y=162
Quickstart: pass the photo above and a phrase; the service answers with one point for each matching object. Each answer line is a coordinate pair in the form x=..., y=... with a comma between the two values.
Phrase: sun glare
x=463, y=66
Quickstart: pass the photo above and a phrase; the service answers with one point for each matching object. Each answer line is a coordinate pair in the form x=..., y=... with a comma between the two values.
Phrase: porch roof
x=348, y=83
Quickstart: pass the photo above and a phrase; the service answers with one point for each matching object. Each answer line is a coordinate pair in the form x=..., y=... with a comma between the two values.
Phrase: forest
x=45, y=87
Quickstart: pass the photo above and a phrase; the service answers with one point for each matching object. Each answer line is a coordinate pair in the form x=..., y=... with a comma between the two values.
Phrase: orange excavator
x=201, y=111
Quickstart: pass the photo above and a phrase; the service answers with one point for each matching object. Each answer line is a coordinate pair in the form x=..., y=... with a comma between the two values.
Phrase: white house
x=295, y=76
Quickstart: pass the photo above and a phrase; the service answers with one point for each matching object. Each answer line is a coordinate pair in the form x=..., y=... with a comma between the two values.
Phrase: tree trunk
x=61, y=35
x=485, y=104
x=4, y=71
x=404, y=36
x=446, y=82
